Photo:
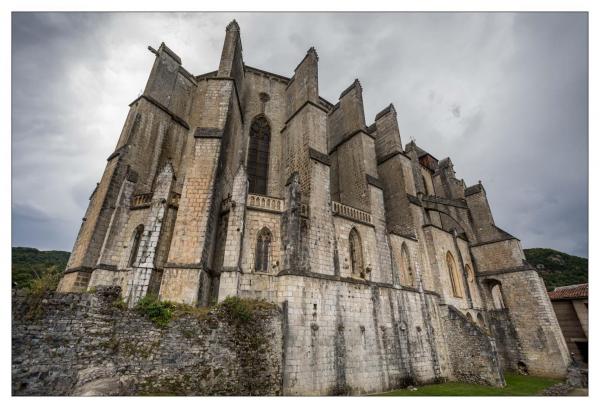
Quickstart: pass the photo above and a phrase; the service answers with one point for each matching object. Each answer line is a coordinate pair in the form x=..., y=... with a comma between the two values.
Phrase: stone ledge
x=318, y=156
x=521, y=268
x=304, y=105
x=78, y=269
x=495, y=241
x=208, y=133
x=375, y=182
x=314, y=275
x=160, y=106
x=349, y=136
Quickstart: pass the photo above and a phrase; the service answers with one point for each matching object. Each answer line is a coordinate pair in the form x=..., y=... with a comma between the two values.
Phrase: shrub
x=242, y=310
x=46, y=282
x=39, y=287
x=236, y=309
x=159, y=312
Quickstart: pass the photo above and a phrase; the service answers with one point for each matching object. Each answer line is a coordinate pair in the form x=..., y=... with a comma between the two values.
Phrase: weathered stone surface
x=472, y=351
x=85, y=344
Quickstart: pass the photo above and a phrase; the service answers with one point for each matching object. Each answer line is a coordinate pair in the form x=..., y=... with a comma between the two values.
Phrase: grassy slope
x=559, y=269
x=28, y=263
x=516, y=385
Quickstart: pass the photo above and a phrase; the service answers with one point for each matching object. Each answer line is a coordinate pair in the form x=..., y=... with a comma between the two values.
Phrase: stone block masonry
x=86, y=344
x=245, y=183
x=472, y=351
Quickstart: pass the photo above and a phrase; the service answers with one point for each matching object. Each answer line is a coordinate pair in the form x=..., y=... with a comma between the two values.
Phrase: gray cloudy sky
x=504, y=95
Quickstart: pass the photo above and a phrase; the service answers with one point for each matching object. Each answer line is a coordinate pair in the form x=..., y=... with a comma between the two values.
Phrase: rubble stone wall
x=472, y=351
x=85, y=344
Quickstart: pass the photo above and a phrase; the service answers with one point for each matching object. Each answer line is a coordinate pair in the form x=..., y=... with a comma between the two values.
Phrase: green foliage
x=46, y=282
x=242, y=310
x=180, y=309
x=235, y=308
x=516, y=385
x=38, y=288
x=30, y=263
x=558, y=268
x=159, y=312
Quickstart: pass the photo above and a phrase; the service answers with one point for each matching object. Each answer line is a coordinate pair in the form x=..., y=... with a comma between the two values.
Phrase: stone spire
x=233, y=26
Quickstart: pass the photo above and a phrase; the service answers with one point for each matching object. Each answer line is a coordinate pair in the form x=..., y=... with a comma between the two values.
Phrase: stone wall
x=509, y=350
x=542, y=347
x=85, y=344
x=472, y=351
x=350, y=336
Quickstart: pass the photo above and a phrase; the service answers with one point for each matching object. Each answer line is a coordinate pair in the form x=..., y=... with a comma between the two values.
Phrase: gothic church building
x=388, y=269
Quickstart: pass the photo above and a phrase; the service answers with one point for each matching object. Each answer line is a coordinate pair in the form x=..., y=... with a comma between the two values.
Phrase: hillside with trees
x=30, y=263
x=558, y=268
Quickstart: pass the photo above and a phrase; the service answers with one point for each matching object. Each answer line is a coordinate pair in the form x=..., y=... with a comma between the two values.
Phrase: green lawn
x=516, y=385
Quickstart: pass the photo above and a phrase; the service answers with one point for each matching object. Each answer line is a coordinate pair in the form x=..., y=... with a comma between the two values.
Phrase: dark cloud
x=504, y=95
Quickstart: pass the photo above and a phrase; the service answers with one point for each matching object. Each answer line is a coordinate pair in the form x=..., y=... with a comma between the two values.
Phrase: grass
x=516, y=385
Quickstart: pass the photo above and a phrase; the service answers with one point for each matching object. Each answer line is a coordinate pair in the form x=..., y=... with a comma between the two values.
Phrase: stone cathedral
x=388, y=269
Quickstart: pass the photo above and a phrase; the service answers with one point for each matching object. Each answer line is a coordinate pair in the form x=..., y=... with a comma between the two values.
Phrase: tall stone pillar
x=144, y=265
x=189, y=276
x=106, y=268
x=305, y=133
x=231, y=269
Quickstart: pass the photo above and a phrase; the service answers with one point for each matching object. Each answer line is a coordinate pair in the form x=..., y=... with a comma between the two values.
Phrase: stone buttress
x=388, y=269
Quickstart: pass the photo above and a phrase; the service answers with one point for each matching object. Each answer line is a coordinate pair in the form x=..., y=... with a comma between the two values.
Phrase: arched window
x=497, y=297
x=135, y=244
x=469, y=317
x=263, y=250
x=258, y=155
x=356, y=257
x=469, y=272
x=454, y=275
x=407, y=270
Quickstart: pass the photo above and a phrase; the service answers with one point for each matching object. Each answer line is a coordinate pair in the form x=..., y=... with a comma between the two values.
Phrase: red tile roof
x=569, y=292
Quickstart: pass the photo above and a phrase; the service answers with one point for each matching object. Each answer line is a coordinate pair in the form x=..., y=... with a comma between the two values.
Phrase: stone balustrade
x=350, y=212
x=145, y=200
x=265, y=202
x=141, y=200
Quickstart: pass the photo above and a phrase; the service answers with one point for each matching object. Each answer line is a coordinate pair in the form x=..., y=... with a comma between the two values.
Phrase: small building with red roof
x=571, y=307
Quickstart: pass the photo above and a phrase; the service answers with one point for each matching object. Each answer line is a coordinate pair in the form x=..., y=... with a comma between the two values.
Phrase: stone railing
x=265, y=202
x=141, y=200
x=145, y=200
x=350, y=212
